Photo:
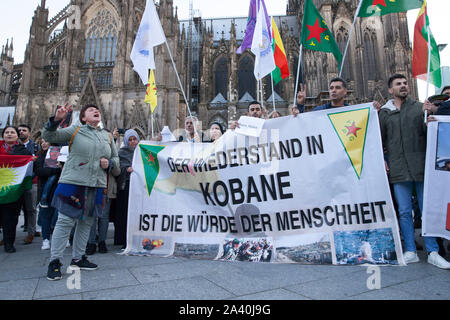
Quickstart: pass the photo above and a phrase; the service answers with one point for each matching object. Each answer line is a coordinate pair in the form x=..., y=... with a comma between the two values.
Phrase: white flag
x=262, y=47
x=149, y=35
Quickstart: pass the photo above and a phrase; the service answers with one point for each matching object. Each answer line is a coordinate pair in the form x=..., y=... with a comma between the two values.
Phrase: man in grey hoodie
x=403, y=133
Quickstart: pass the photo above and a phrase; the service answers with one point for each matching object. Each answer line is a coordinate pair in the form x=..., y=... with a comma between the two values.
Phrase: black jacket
x=43, y=173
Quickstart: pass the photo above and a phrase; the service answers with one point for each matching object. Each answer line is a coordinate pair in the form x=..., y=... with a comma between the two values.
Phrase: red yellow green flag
x=282, y=68
x=421, y=52
x=381, y=7
x=15, y=177
x=315, y=33
x=150, y=95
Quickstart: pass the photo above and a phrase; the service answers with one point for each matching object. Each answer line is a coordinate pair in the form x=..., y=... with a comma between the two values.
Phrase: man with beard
x=29, y=195
x=403, y=134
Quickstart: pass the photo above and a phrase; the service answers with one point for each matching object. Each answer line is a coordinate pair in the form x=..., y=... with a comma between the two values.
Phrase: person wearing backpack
x=79, y=197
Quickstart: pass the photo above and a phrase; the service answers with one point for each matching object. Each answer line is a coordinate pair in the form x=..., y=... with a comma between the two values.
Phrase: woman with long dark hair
x=10, y=207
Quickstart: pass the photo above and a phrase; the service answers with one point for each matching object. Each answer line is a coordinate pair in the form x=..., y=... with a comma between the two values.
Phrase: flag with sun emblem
x=351, y=127
x=149, y=156
x=15, y=177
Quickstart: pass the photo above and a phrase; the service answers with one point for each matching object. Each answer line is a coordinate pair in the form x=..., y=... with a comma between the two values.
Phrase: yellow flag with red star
x=150, y=95
x=351, y=128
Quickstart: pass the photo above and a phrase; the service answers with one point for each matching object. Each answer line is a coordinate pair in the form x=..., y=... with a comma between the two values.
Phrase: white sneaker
x=410, y=257
x=68, y=244
x=45, y=244
x=435, y=259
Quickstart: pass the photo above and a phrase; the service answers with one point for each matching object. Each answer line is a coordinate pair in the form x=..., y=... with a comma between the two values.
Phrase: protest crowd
x=81, y=175
x=73, y=200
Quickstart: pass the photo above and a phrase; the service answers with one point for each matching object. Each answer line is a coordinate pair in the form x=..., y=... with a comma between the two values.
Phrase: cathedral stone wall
x=89, y=62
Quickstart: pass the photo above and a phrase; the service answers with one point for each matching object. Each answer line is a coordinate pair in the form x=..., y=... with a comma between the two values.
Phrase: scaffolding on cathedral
x=193, y=46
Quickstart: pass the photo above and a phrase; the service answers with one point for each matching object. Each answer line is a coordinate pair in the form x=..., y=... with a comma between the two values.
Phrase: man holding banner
x=403, y=135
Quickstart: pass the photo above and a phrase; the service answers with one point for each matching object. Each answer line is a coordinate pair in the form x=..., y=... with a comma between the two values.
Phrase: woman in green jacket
x=79, y=195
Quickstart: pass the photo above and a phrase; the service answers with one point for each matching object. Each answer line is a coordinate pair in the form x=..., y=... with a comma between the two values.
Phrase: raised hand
x=61, y=113
x=301, y=95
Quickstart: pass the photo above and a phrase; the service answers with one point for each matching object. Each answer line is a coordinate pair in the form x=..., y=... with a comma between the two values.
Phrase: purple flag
x=251, y=22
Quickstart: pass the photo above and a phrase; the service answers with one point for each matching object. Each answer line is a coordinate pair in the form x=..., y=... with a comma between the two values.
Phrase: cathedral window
x=246, y=77
x=370, y=59
x=221, y=77
x=101, y=39
x=341, y=39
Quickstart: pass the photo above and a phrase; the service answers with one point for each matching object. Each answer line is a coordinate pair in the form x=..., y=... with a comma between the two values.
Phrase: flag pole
x=153, y=132
x=350, y=36
x=298, y=72
x=428, y=71
x=181, y=85
x=273, y=93
x=261, y=94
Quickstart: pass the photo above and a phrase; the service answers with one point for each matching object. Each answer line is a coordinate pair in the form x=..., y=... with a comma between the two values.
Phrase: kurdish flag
x=371, y=8
x=282, y=68
x=315, y=33
x=15, y=177
x=421, y=52
x=150, y=95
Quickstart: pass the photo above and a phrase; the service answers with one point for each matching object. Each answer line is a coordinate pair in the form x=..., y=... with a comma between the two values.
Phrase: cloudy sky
x=16, y=17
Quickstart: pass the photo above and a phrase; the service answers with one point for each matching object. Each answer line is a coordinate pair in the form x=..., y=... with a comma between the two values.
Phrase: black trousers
x=121, y=216
x=9, y=215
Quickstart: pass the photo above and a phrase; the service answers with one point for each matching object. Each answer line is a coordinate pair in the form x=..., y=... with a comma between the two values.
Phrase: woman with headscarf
x=215, y=131
x=131, y=140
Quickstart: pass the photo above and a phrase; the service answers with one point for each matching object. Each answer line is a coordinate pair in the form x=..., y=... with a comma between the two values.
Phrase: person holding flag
x=16, y=168
x=315, y=36
x=403, y=136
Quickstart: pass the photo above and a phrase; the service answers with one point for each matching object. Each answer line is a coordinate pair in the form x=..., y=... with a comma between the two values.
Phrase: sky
x=16, y=18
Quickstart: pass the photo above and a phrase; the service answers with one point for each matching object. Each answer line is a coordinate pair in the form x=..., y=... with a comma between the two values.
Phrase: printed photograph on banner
x=197, y=248
x=365, y=246
x=246, y=249
x=443, y=147
x=151, y=245
x=306, y=248
x=51, y=159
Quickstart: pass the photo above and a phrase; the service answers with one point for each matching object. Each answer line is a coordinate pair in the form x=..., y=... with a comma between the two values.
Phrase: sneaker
x=43, y=204
x=102, y=247
x=435, y=259
x=45, y=244
x=54, y=270
x=83, y=264
x=410, y=257
x=91, y=248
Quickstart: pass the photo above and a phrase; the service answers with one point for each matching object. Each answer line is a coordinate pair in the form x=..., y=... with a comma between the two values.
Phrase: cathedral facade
x=82, y=55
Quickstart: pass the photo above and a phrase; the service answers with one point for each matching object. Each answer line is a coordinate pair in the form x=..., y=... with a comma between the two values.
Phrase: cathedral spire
x=43, y=4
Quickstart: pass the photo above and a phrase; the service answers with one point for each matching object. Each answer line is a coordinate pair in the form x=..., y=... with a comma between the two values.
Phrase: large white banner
x=311, y=189
x=436, y=202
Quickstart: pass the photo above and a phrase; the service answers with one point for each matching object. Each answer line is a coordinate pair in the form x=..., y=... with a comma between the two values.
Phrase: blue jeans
x=46, y=189
x=46, y=215
x=102, y=223
x=403, y=196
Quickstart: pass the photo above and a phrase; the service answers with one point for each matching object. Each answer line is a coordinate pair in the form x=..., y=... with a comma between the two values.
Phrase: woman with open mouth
x=79, y=195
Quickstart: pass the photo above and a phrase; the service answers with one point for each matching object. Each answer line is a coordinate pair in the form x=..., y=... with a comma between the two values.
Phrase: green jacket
x=403, y=133
x=89, y=145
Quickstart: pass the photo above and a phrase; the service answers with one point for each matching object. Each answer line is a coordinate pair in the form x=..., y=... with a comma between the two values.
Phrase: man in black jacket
x=29, y=203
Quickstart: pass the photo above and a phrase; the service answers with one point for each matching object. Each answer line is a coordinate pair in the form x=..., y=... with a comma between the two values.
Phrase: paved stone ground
x=23, y=276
